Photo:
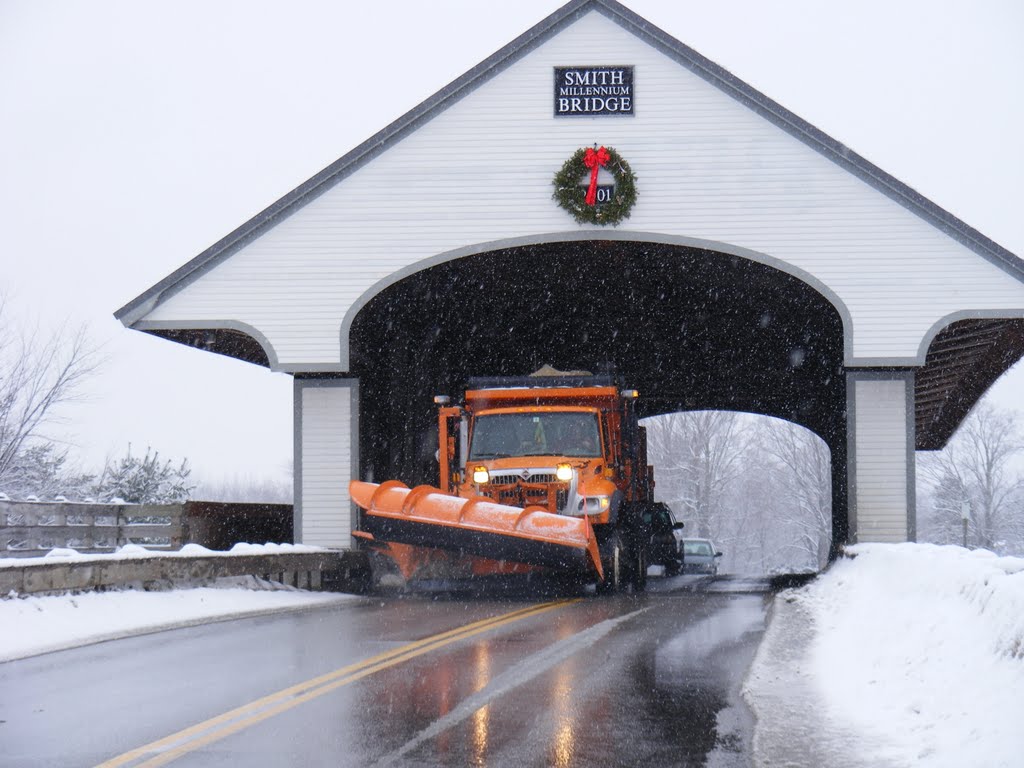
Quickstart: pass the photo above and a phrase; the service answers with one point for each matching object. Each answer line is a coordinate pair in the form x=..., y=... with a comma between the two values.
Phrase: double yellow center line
x=177, y=744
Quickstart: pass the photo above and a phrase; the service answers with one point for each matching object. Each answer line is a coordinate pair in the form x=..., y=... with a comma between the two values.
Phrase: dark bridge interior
x=690, y=329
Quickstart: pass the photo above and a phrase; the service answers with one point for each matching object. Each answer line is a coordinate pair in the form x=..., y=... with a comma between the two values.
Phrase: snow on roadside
x=34, y=625
x=135, y=552
x=917, y=649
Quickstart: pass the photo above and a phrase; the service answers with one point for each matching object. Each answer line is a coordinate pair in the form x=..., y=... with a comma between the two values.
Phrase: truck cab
x=571, y=446
x=550, y=456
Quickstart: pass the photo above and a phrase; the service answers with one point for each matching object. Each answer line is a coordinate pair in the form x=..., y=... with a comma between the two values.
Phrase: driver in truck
x=579, y=441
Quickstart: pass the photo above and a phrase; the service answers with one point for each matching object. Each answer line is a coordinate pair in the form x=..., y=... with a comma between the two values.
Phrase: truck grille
x=526, y=487
x=519, y=496
x=515, y=476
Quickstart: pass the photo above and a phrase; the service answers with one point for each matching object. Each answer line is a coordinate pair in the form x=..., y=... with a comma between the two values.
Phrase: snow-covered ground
x=135, y=552
x=905, y=655
x=34, y=625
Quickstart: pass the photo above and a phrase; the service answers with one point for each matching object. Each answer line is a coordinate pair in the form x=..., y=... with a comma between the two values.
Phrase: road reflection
x=658, y=690
x=564, y=715
x=482, y=717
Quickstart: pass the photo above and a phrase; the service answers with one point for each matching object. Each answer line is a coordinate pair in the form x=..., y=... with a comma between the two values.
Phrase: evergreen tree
x=42, y=470
x=146, y=480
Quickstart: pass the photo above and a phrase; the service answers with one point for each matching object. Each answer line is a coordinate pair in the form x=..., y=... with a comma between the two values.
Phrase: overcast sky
x=136, y=134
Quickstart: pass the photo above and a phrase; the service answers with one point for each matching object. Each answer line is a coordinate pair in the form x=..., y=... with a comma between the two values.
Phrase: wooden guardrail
x=28, y=529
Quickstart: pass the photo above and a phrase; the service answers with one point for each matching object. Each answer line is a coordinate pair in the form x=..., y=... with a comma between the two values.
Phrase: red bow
x=594, y=160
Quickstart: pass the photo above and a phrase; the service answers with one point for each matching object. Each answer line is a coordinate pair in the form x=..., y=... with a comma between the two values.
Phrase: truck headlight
x=481, y=475
x=563, y=472
x=594, y=505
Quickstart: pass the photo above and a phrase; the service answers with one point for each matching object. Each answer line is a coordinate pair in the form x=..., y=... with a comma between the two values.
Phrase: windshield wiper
x=490, y=456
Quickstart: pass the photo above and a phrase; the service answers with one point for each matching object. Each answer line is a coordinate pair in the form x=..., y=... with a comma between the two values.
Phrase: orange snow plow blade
x=428, y=517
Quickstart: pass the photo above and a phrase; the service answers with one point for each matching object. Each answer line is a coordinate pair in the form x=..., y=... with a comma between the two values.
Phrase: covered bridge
x=762, y=267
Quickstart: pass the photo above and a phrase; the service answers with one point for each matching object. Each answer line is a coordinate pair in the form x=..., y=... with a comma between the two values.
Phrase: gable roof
x=511, y=53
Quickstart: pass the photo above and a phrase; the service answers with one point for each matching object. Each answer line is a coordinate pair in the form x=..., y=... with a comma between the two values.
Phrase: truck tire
x=614, y=561
x=640, y=572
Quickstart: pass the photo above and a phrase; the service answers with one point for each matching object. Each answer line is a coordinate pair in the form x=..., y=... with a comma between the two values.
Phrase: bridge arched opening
x=689, y=328
x=759, y=487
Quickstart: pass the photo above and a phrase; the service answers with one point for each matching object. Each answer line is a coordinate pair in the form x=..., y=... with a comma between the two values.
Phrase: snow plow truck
x=544, y=471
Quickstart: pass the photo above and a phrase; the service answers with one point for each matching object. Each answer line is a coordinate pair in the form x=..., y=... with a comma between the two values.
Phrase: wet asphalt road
x=452, y=680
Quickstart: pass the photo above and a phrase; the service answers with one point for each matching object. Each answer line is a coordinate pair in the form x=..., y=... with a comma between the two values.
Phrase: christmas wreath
x=582, y=201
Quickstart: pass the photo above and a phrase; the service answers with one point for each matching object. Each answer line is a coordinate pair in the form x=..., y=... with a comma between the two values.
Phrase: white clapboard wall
x=709, y=170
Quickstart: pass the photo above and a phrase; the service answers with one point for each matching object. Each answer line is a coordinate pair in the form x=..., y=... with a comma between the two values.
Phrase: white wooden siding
x=707, y=167
x=325, y=465
x=881, y=471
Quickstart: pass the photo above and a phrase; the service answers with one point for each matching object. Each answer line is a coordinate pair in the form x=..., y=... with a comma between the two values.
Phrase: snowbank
x=34, y=625
x=919, y=649
x=134, y=551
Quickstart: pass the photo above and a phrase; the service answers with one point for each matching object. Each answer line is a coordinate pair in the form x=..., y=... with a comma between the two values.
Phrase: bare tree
x=806, y=492
x=699, y=454
x=36, y=376
x=748, y=532
x=762, y=488
x=977, y=467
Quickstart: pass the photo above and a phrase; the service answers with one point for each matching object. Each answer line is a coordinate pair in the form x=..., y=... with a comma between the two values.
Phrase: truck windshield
x=567, y=433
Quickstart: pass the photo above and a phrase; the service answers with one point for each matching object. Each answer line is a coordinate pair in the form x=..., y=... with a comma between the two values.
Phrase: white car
x=700, y=556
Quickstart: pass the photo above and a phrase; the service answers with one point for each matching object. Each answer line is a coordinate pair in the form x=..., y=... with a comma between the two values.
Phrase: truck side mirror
x=678, y=526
